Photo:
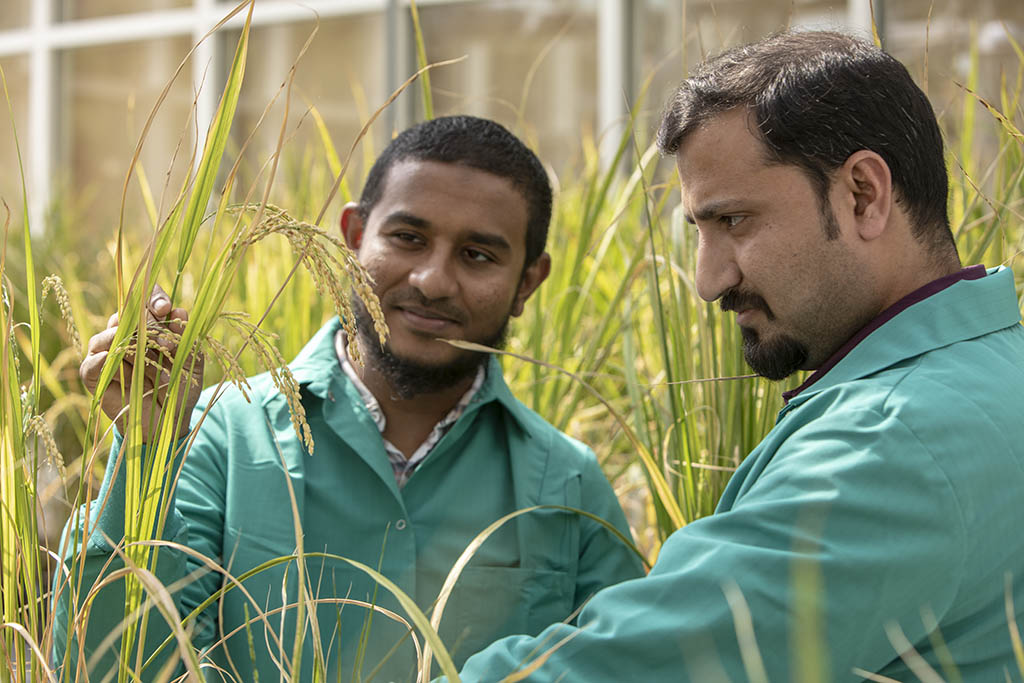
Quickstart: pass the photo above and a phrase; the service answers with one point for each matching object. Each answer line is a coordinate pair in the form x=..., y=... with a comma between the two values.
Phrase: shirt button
x=400, y=524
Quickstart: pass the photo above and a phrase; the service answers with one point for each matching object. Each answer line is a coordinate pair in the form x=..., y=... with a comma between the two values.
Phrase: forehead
x=452, y=193
x=721, y=153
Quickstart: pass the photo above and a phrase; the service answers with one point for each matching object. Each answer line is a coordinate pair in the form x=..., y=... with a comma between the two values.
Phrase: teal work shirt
x=886, y=500
x=233, y=505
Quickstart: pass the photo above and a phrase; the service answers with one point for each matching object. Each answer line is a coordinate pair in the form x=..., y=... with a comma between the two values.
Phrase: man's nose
x=434, y=276
x=717, y=271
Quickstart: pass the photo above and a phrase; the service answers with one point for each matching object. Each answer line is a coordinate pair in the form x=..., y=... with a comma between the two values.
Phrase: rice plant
x=153, y=445
x=615, y=348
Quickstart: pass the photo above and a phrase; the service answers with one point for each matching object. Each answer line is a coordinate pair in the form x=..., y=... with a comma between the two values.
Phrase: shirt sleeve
x=86, y=569
x=604, y=559
x=849, y=529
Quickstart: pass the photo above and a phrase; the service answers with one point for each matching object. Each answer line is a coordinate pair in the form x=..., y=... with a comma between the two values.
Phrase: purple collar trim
x=918, y=295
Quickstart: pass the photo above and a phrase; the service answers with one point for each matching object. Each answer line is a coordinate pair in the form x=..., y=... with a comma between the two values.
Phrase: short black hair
x=478, y=143
x=817, y=97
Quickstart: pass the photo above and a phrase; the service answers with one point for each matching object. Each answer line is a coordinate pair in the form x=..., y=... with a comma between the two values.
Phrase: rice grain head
x=53, y=282
x=328, y=272
x=39, y=427
x=263, y=345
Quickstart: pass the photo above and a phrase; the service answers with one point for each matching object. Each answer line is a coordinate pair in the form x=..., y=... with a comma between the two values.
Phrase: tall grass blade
x=874, y=25
x=753, y=664
x=421, y=62
x=660, y=485
x=910, y=656
x=213, y=152
x=421, y=72
x=1011, y=621
x=456, y=571
x=20, y=577
x=333, y=161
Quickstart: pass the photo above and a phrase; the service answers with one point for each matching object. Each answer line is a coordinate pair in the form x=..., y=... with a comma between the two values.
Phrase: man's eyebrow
x=407, y=218
x=487, y=239
x=711, y=210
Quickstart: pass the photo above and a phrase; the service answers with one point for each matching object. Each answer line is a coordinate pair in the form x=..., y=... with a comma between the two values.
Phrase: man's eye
x=478, y=256
x=732, y=221
x=410, y=237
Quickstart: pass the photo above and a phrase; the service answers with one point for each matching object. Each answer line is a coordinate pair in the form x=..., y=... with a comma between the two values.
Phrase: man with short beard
x=417, y=449
x=875, y=531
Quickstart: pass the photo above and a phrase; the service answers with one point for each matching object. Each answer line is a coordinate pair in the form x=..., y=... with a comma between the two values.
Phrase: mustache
x=736, y=300
x=410, y=296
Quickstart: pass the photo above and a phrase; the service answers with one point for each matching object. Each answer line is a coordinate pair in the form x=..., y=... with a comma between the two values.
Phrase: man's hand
x=160, y=318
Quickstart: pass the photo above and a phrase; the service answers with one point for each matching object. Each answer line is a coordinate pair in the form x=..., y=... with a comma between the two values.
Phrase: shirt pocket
x=489, y=603
x=259, y=521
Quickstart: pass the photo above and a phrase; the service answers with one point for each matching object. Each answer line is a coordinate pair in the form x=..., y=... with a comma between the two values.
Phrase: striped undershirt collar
x=403, y=467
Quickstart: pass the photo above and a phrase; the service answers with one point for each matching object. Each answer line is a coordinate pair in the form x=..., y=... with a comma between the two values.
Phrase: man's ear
x=534, y=274
x=867, y=182
x=352, y=226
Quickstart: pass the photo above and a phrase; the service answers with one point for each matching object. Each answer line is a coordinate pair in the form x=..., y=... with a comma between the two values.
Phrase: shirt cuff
x=110, y=501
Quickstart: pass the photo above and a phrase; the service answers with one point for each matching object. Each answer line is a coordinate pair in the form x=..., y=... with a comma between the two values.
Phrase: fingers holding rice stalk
x=165, y=325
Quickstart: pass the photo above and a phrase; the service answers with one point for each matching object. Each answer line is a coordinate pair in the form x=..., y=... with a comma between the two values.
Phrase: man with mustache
x=417, y=449
x=875, y=532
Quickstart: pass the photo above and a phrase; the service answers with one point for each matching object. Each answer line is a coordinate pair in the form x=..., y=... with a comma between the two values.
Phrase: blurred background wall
x=83, y=75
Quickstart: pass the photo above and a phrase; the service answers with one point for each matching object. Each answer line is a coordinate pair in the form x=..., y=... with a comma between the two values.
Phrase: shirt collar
x=373, y=405
x=960, y=306
x=316, y=364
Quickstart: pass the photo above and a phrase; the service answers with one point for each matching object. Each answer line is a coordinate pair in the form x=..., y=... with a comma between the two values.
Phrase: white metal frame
x=614, y=69
x=46, y=36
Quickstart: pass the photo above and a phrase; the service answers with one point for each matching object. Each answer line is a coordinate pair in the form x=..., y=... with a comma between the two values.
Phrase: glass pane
x=938, y=52
x=503, y=79
x=16, y=72
x=90, y=9
x=342, y=75
x=659, y=56
x=15, y=14
x=107, y=93
x=948, y=34
x=668, y=40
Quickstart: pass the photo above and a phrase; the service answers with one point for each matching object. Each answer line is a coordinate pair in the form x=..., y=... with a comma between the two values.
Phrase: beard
x=773, y=359
x=409, y=378
x=780, y=356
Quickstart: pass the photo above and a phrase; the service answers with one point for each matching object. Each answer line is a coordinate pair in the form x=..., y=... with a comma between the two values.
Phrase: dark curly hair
x=478, y=143
x=817, y=97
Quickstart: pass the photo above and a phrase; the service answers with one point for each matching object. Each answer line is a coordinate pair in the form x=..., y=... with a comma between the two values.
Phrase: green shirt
x=233, y=505
x=886, y=500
